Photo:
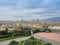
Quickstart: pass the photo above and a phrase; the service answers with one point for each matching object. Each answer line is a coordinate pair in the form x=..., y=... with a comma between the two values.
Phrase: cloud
x=29, y=9
x=22, y=13
x=27, y=14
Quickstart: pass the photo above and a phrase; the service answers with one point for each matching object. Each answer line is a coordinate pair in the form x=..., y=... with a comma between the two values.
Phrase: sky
x=29, y=9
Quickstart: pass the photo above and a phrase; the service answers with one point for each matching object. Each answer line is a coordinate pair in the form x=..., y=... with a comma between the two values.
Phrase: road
x=18, y=39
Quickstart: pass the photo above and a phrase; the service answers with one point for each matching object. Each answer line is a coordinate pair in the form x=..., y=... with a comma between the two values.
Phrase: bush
x=46, y=30
x=22, y=33
x=32, y=38
x=36, y=31
x=4, y=34
x=30, y=43
x=26, y=28
x=13, y=43
x=47, y=44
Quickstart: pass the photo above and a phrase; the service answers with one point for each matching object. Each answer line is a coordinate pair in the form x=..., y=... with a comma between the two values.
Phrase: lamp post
x=31, y=32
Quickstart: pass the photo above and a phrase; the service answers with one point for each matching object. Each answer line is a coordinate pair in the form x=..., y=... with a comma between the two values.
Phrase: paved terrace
x=49, y=37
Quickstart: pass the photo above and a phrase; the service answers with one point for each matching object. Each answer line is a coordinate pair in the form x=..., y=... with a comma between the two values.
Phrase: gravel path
x=18, y=39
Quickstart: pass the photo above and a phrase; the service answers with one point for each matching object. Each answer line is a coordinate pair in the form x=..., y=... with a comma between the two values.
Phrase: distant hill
x=53, y=19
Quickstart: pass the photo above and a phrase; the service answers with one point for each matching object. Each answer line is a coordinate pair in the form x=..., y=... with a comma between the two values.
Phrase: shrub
x=46, y=30
x=13, y=43
x=47, y=44
x=36, y=31
x=22, y=33
x=32, y=38
x=30, y=43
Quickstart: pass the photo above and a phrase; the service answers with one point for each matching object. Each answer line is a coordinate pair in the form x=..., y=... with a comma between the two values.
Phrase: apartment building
x=54, y=27
x=2, y=27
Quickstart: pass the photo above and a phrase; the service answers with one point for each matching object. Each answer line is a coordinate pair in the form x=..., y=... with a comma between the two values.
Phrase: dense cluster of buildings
x=10, y=26
x=17, y=25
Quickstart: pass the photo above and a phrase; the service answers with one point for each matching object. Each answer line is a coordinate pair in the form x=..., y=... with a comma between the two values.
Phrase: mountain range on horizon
x=53, y=19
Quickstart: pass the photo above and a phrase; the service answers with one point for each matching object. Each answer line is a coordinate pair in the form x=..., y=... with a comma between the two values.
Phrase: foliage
x=36, y=30
x=26, y=28
x=9, y=38
x=5, y=33
x=22, y=33
x=47, y=30
x=32, y=38
x=13, y=43
x=31, y=42
x=47, y=44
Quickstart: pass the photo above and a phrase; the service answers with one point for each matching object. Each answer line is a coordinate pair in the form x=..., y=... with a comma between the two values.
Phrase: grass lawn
x=9, y=38
x=21, y=43
x=31, y=42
